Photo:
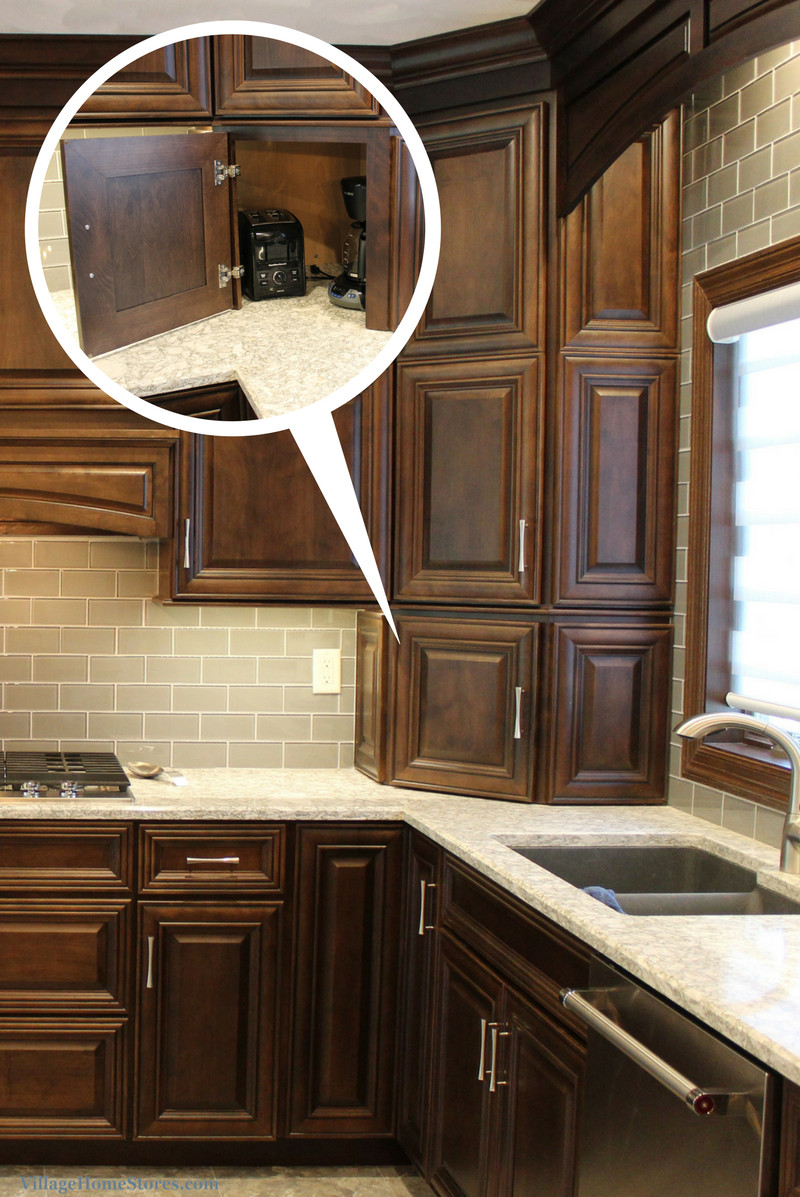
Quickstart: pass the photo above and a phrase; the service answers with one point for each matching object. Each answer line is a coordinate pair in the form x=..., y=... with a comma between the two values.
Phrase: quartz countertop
x=740, y=975
x=285, y=353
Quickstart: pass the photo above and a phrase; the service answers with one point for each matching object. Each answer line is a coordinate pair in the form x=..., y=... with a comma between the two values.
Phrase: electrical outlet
x=326, y=675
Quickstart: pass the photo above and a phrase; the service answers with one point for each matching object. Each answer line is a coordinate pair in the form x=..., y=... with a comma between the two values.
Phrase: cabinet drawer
x=217, y=859
x=48, y=856
x=72, y=956
x=530, y=951
x=61, y=1078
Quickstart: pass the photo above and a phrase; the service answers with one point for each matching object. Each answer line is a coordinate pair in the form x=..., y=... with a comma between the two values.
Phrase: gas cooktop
x=69, y=774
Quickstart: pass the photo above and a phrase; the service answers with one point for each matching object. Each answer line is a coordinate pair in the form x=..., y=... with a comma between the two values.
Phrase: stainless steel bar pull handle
x=482, y=1061
x=701, y=1102
x=187, y=560
x=521, y=563
x=518, y=692
x=229, y=860
x=493, y=1062
x=151, y=943
x=424, y=886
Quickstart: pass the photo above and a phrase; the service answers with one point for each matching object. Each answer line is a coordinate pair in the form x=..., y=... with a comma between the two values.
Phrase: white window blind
x=765, y=640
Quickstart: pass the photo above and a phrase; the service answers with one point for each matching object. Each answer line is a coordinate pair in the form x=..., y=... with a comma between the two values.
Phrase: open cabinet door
x=149, y=229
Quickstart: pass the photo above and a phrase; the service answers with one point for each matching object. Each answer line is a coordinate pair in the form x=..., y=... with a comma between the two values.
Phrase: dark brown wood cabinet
x=208, y=984
x=347, y=962
x=256, y=76
x=252, y=525
x=173, y=81
x=469, y=436
x=464, y=704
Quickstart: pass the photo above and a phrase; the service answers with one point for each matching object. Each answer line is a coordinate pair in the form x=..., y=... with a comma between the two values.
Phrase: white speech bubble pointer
x=317, y=439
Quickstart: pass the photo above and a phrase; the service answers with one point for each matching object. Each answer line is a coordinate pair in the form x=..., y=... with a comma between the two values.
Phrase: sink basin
x=651, y=880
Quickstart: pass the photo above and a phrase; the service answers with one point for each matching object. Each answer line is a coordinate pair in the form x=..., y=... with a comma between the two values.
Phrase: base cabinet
x=208, y=982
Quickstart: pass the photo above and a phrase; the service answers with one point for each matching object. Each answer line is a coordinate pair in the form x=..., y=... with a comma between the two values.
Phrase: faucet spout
x=701, y=725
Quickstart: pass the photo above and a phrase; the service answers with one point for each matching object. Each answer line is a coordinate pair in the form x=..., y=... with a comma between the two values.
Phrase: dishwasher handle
x=701, y=1101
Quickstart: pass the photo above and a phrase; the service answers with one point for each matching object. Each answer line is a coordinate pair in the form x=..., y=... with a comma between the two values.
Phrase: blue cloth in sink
x=606, y=896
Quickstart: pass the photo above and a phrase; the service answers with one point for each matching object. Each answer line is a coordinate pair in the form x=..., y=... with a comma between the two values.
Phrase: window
x=743, y=611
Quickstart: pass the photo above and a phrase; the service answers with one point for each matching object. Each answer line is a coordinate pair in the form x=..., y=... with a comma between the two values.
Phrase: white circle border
x=430, y=255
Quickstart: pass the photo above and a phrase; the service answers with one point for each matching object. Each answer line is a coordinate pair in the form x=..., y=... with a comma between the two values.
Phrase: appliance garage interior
x=507, y=903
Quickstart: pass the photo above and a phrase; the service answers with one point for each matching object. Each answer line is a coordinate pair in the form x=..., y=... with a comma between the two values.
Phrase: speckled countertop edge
x=740, y=975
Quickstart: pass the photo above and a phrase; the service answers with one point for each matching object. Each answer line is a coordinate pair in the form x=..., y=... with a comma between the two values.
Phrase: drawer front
x=72, y=957
x=48, y=856
x=531, y=952
x=61, y=1078
x=216, y=859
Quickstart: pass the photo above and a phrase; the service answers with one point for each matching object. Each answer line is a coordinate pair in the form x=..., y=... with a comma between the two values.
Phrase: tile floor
x=222, y=1181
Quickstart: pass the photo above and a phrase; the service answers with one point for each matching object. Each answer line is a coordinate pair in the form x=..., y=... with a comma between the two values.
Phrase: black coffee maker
x=348, y=289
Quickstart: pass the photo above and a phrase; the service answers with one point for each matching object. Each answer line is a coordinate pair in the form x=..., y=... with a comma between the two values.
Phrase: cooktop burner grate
x=59, y=769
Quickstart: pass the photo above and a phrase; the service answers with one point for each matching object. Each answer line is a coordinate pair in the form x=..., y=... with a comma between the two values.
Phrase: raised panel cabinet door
x=465, y=1064
x=149, y=229
x=416, y=1018
x=620, y=251
x=465, y=705
x=618, y=435
x=256, y=76
x=490, y=284
x=610, y=706
x=469, y=449
x=541, y=1069
x=252, y=523
x=208, y=983
x=62, y=1078
x=347, y=954
x=173, y=81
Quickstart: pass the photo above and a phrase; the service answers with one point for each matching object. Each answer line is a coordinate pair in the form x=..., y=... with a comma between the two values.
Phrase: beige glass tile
x=88, y=583
x=739, y=815
x=15, y=611
x=61, y=725
x=283, y=727
x=145, y=641
x=771, y=198
x=15, y=724
x=116, y=669
x=173, y=669
x=346, y=756
x=200, y=698
x=229, y=669
x=88, y=640
x=16, y=668
x=257, y=642
x=786, y=225
x=192, y=642
x=302, y=643
x=200, y=756
x=87, y=697
x=283, y=617
x=22, y=696
x=255, y=756
x=62, y=668
x=332, y=617
x=259, y=699
x=227, y=617
x=33, y=640
x=136, y=583
x=115, y=613
x=277, y=670
x=118, y=554
x=311, y=756
x=115, y=726
x=332, y=727
x=31, y=583
x=16, y=554
x=143, y=698
x=227, y=727
x=171, y=727
x=302, y=698
x=158, y=615
x=59, y=611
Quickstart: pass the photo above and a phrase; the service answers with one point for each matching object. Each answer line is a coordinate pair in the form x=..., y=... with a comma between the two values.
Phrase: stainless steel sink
x=651, y=880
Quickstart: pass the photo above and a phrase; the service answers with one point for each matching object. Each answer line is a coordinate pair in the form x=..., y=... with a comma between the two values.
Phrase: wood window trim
x=737, y=768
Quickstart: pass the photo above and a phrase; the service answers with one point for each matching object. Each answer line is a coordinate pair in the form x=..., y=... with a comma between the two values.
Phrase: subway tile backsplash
x=90, y=658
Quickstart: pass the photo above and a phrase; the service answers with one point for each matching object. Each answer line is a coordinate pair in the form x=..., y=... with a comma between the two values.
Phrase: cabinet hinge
x=223, y=172
x=226, y=273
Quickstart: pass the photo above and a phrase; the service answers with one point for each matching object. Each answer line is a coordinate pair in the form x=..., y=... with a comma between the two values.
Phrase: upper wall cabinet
x=174, y=80
x=490, y=285
x=620, y=250
x=255, y=76
x=468, y=470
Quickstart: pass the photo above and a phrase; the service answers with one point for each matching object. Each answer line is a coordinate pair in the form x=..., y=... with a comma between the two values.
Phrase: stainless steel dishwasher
x=668, y=1107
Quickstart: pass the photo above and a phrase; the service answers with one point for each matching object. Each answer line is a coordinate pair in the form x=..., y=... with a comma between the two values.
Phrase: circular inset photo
x=280, y=246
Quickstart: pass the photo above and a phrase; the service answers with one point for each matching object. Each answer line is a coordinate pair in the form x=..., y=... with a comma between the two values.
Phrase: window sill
x=744, y=770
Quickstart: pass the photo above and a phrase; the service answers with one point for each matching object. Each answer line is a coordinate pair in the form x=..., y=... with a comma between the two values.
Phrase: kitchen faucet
x=700, y=725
